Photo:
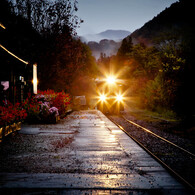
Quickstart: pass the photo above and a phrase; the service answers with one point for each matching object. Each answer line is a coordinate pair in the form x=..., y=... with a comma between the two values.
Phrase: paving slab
x=85, y=153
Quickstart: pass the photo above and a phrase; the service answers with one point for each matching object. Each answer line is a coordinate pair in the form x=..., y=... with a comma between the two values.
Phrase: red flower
x=11, y=113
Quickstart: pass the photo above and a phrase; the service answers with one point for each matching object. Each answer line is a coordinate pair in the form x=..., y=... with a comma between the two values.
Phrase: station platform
x=99, y=159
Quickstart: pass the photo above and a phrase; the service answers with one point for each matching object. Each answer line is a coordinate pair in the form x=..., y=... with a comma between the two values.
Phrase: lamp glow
x=35, y=81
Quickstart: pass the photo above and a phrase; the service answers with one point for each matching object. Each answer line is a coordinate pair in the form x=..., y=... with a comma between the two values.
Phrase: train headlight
x=111, y=80
x=119, y=98
x=102, y=97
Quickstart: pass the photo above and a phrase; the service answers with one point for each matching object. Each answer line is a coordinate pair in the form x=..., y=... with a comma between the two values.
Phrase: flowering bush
x=54, y=111
x=44, y=110
x=44, y=107
x=60, y=100
x=40, y=97
x=31, y=105
x=10, y=114
x=19, y=113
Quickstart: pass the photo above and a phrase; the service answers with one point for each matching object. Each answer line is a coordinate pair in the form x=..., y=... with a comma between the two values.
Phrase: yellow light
x=119, y=98
x=111, y=80
x=35, y=78
x=102, y=97
x=9, y=52
x=2, y=26
x=35, y=81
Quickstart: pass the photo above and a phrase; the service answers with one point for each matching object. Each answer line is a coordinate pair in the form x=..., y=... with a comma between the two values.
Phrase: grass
x=133, y=107
x=162, y=118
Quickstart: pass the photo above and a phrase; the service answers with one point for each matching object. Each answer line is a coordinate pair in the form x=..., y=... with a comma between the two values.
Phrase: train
x=110, y=94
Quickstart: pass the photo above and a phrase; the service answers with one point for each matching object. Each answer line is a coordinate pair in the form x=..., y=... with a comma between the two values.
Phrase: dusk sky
x=101, y=15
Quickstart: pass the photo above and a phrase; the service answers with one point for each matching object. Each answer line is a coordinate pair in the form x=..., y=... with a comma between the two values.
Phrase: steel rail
x=154, y=134
x=190, y=186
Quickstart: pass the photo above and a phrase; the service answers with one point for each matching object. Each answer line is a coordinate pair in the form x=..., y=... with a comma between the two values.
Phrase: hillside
x=115, y=35
x=175, y=20
x=163, y=75
x=109, y=47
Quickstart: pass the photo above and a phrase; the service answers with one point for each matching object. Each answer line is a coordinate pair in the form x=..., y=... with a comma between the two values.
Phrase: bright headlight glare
x=102, y=97
x=111, y=80
x=119, y=98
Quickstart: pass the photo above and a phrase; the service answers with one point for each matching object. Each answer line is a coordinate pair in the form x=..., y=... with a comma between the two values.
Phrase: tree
x=60, y=55
x=50, y=17
x=144, y=61
x=125, y=49
x=67, y=60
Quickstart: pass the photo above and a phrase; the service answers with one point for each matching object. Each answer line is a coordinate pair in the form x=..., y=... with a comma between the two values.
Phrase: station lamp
x=35, y=81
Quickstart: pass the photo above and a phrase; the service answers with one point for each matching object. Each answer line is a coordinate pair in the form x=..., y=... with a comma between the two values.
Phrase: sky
x=101, y=15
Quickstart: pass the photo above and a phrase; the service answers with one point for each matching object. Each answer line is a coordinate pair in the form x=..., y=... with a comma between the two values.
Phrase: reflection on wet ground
x=84, y=151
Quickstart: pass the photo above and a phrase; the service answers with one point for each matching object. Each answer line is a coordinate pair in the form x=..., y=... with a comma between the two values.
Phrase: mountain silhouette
x=115, y=35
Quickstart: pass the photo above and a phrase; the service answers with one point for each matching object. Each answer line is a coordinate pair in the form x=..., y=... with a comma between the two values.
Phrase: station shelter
x=15, y=78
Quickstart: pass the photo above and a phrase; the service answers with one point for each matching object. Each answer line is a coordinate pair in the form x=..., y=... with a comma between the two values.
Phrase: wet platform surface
x=100, y=159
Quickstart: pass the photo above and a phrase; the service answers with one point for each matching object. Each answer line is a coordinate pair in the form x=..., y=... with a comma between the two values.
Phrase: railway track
x=177, y=159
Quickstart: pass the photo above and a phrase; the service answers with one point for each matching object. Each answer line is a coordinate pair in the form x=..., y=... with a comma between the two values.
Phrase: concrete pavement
x=98, y=158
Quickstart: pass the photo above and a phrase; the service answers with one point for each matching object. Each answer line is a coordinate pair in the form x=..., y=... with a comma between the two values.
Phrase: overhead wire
x=15, y=56
x=25, y=62
x=2, y=26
